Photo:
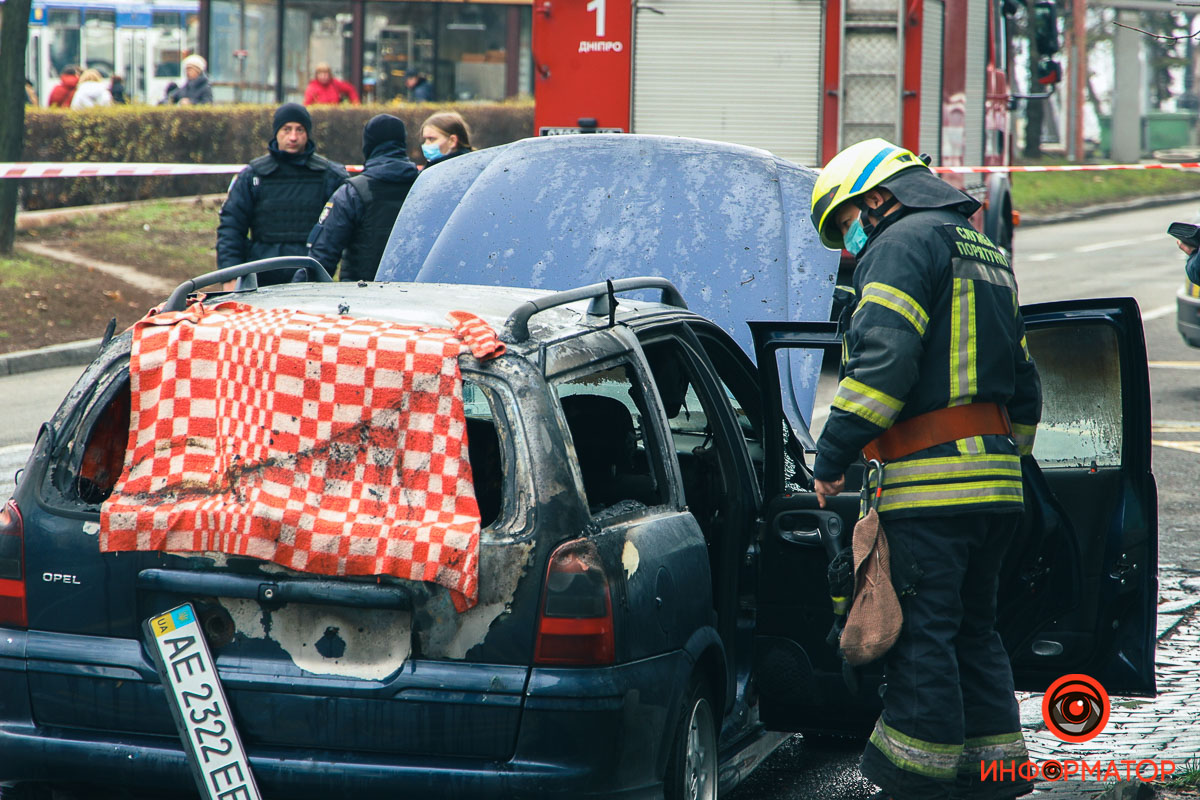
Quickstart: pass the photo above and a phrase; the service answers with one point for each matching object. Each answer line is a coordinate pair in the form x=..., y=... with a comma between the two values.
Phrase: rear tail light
x=12, y=567
x=575, y=627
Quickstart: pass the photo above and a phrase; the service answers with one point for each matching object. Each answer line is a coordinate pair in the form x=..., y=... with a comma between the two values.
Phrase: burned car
x=649, y=610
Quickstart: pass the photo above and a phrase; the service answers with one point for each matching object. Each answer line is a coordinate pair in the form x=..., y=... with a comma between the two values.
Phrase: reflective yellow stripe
x=1002, y=747
x=951, y=468
x=871, y=404
x=1025, y=349
x=892, y=298
x=962, y=343
x=1024, y=435
x=971, y=446
x=915, y=755
x=975, y=270
x=950, y=494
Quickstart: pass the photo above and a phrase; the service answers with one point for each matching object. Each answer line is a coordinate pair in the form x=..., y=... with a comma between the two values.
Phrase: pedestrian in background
x=276, y=199
x=444, y=135
x=64, y=90
x=359, y=217
x=196, y=90
x=117, y=89
x=31, y=98
x=937, y=383
x=324, y=89
x=420, y=90
x=91, y=91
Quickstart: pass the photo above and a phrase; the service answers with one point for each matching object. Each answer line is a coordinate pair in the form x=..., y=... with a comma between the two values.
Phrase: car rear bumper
x=1187, y=313
x=586, y=733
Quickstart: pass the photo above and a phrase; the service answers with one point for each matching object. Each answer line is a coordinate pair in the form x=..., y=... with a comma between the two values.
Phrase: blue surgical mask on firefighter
x=431, y=151
x=855, y=238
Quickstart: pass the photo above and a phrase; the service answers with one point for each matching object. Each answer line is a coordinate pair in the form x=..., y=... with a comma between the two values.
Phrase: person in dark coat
x=444, y=135
x=196, y=90
x=359, y=216
x=275, y=200
x=420, y=89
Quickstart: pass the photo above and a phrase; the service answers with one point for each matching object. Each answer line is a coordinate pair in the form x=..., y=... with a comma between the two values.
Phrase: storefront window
x=460, y=49
x=167, y=48
x=315, y=33
x=243, y=48
x=62, y=26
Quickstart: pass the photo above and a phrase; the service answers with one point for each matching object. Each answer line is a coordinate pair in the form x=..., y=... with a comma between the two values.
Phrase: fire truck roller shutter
x=932, y=31
x=696, y=73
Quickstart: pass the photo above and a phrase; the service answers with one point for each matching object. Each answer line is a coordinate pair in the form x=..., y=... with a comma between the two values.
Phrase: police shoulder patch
x=325, y=212
x=966, y=242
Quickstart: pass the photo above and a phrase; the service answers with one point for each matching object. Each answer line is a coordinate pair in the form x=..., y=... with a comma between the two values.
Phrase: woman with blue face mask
x=444, y=135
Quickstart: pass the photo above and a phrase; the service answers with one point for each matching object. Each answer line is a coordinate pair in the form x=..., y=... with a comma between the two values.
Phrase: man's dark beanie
x=384, y=128
x=291, y=112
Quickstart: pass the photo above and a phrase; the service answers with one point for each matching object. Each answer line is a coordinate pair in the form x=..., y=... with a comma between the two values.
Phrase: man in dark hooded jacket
x=937, y=385
x=359, y=216
x=274, y=201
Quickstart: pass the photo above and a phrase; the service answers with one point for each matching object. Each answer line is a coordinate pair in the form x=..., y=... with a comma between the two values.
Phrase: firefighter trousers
x=948, y=702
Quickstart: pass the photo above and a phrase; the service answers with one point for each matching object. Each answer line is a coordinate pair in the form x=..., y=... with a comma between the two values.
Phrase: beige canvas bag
x=874, y=621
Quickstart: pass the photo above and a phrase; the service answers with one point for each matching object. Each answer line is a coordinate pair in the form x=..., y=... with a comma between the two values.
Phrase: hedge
x=223, y=134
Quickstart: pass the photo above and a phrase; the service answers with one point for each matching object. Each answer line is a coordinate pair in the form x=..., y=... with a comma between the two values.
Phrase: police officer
x=359, y=216
x=938, y=384
x=274, y=201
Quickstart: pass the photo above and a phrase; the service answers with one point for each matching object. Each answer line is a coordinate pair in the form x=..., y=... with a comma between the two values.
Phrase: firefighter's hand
x=829, y=488
x=1187, y=248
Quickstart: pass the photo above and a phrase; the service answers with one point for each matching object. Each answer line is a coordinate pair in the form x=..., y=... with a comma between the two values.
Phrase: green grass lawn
x=1048, y=192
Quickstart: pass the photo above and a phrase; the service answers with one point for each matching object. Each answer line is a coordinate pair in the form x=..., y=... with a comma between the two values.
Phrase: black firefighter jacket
x=935, y=322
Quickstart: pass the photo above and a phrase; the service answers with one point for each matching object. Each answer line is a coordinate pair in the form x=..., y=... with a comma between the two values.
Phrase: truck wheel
x=692, y=766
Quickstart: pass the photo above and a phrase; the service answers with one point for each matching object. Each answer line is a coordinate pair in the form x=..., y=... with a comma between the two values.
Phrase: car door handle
x=812, y=527
x=276, y=592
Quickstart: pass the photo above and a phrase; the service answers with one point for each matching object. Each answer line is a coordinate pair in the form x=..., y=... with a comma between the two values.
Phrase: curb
x=1107, y=208
x=1128, y=790
x=71, y=354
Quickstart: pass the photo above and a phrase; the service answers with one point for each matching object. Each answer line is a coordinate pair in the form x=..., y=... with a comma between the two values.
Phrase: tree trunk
x=1034, y=111
x=14, y=35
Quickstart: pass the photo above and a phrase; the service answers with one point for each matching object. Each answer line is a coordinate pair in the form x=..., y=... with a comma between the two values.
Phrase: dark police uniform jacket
x=359, y=217
x=935, y=323
x=272, y=205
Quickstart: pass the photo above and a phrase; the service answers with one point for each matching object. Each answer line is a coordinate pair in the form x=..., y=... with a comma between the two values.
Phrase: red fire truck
x=800, y=78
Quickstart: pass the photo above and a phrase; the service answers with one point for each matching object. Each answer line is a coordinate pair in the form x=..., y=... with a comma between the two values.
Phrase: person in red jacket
x=62, y=94
x=324, y=89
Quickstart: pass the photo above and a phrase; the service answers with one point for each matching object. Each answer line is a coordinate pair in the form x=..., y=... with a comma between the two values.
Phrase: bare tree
x=14, y=35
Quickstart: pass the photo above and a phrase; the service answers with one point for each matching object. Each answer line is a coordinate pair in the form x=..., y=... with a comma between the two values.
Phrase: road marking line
x=16, y=448
x=1039, y=257
x=1156, y=313
x=1178, y=425
x=1188, y=447
x=1175, y=364
x=1091, y=248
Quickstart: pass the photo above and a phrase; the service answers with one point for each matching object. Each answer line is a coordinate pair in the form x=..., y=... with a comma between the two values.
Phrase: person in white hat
x=196, y=89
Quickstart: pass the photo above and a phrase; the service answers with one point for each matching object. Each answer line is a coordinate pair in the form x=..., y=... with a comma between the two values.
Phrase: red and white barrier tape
x=1063, y=168
x=64, y=169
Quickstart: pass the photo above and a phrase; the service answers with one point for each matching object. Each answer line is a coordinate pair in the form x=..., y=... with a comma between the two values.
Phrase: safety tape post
x=62, y=169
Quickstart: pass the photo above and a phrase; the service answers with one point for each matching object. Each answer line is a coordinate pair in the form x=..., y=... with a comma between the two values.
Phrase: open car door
x=1078, y=594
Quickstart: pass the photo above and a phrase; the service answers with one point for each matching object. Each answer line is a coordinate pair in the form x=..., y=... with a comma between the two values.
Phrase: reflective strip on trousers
x=952, y=468
x=950, y=494
x=1024, y=435
x=914, y=755
x=986, y=749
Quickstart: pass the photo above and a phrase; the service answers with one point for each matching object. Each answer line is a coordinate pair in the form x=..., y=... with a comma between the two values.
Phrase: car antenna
x=612, y=304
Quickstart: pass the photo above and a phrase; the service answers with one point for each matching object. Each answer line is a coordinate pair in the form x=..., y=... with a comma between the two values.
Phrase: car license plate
x=199, y=706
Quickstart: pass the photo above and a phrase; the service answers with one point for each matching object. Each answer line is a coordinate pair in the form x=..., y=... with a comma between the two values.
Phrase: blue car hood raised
x=729, y=225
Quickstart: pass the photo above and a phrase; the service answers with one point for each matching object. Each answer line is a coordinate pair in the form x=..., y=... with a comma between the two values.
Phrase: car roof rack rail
x=516, y=328
x=316, y=273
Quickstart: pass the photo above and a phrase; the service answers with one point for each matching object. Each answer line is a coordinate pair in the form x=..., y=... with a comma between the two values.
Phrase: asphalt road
x=1117, y=255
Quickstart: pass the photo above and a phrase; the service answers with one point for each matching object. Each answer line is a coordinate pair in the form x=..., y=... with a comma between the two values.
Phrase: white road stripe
x=1175, y=364
x=1091, y=248
x=1155, y=313
x=1038, y=257
x=16, y=448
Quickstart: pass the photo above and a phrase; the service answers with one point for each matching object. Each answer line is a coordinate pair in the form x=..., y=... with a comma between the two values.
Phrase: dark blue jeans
x=948, y=703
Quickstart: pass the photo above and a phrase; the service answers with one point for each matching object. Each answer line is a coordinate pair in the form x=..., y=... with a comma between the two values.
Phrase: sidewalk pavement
x=1164, y=728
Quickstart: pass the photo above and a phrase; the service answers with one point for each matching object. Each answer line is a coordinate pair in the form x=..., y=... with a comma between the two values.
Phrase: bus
x=143, y=42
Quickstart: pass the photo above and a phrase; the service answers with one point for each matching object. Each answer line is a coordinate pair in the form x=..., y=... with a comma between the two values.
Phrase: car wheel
x=692, y=768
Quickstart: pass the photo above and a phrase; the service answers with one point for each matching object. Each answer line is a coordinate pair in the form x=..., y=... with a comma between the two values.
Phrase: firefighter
x=938, y=385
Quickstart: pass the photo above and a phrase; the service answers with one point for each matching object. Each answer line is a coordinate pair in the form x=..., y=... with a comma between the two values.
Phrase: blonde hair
x=322, y=67
x=90, y=75
x=450, y=123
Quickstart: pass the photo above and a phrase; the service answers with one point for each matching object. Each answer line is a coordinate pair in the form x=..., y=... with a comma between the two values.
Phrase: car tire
x=692, y=765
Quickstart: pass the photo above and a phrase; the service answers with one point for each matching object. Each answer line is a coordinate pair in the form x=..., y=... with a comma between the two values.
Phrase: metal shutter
x=872, y=71
x=931, y=80
x=977, y=53
x=747, y=72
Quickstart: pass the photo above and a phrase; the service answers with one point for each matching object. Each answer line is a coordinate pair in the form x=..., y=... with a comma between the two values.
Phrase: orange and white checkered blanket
x=326, y=444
